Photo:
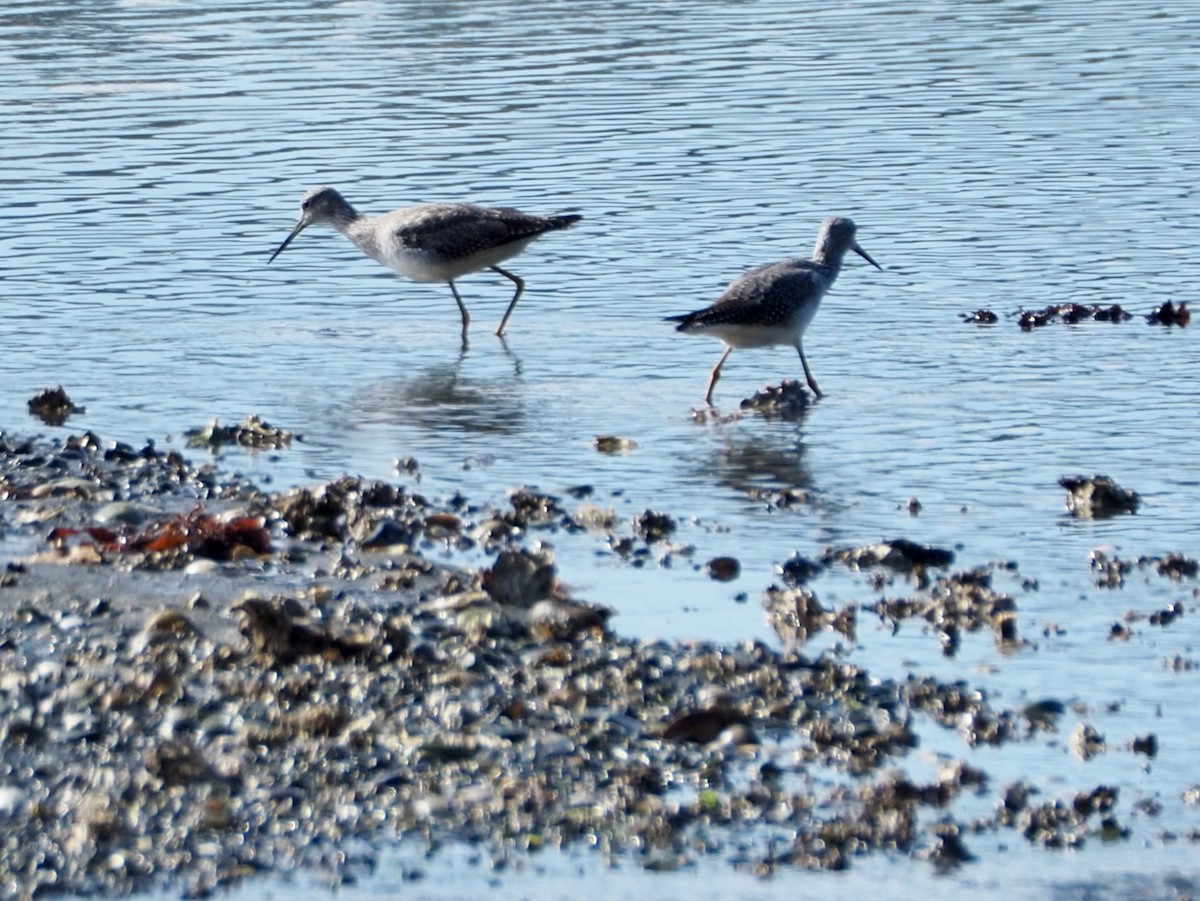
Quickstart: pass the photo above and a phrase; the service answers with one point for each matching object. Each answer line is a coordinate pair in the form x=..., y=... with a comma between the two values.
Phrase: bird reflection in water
x=443, y=399
x=758, y=462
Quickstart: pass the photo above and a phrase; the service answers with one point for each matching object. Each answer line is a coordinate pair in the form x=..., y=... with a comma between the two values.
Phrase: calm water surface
x=998, y=155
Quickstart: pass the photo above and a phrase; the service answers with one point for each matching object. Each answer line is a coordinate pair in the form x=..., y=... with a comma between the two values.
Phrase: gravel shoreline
x=203, y=682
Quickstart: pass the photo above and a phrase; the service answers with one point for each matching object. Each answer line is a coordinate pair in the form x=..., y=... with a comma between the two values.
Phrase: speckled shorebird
x=433, y=242
x=774, y=304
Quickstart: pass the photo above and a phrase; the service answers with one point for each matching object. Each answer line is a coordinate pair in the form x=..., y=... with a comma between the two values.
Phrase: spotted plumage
x=435, y=242
x=773, y=304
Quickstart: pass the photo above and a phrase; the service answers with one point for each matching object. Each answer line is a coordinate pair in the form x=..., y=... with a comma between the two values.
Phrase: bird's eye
x=305, y=204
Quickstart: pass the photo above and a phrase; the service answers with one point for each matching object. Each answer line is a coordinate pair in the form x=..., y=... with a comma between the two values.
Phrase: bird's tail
x=684, y=319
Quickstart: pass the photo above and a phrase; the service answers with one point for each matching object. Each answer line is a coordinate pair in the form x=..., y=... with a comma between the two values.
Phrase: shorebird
x=433, y=242
x=773, y=304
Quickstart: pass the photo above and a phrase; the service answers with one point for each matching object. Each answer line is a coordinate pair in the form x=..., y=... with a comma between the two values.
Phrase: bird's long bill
x=288, y=240
x=858, y=250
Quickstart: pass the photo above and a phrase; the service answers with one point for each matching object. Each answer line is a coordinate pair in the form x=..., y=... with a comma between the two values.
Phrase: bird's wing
x=453, y=230
x=773, y=285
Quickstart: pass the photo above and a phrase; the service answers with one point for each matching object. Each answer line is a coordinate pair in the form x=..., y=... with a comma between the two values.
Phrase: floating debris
x=784, y=498
x=253, y=433
x=980, y=317
x=1111, y=314
x=408, y=466
x=1167, y=615
x=1169, y=314
x=1174, y=566
x=1070, y=313
x=1109, y=572
x=611, y=444
x=1097, y=497
x=53, y=406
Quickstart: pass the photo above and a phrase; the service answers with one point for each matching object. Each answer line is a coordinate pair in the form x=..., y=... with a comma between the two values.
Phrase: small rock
x=121, y=513
x=653, y=526
x=53, y=406
x=521, y=578
x=70, y=486
x=442, y=525
x=388, y=533
x=563, y=620
x=1145, y=744
x=702, y=726
x=1044, y=714
x=949, y=852
x=531, y=508
x=723, y=569
x=1097, y=497
x=11, y=799
x=253, y=432
x=282, y=629
x=788, y=400
x=163, y=627
x=737, y=735
x=594, y=518
x=799, y=570
x=201, y=566
x=794, y=613
x=1086, y=742
x=899, y=554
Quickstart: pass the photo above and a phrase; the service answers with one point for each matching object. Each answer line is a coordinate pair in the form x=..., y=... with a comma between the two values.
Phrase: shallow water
x=998, y=155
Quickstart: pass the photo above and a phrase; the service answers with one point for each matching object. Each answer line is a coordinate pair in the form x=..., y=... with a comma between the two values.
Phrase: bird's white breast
x=429, y=266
